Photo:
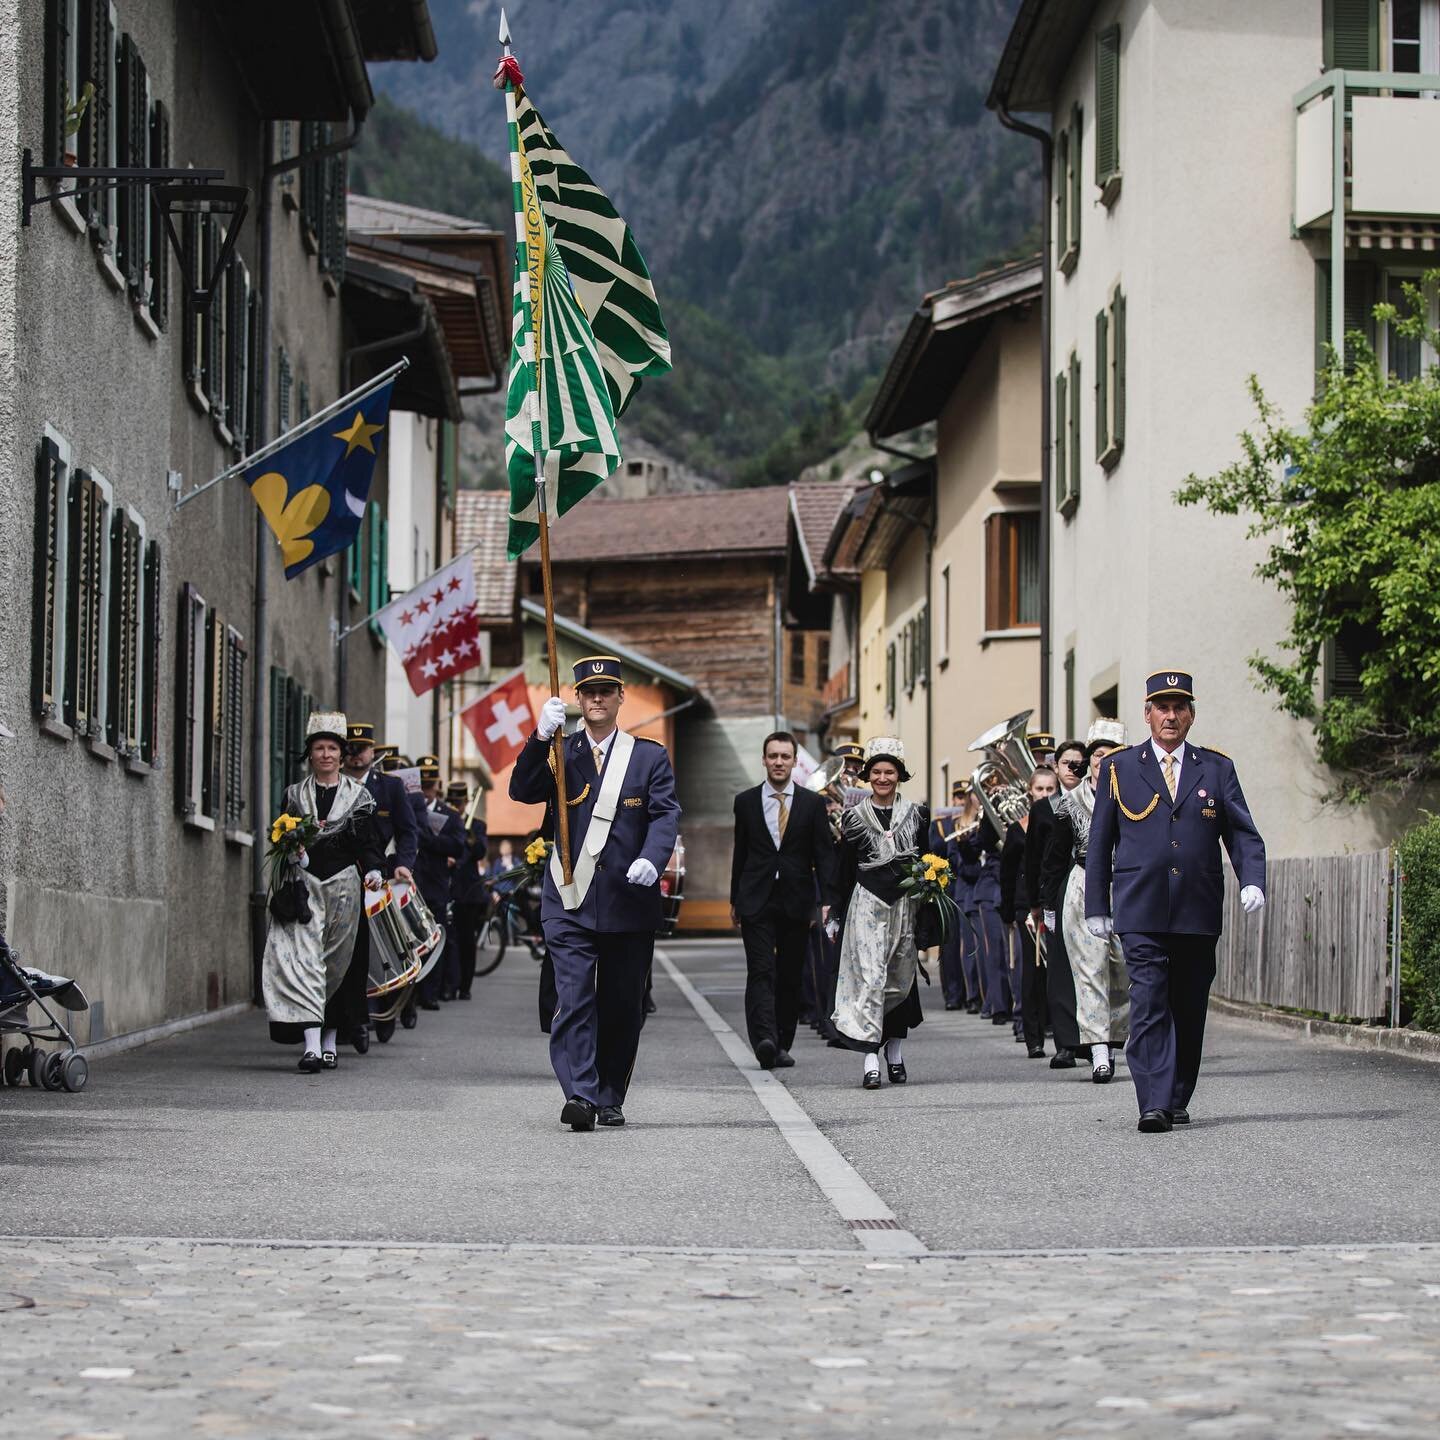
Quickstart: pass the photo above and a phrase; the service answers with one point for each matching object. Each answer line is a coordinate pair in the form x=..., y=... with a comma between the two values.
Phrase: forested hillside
x=798, y=173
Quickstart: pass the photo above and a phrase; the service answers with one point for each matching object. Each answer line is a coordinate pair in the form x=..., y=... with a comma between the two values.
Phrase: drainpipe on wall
x=1047, y=509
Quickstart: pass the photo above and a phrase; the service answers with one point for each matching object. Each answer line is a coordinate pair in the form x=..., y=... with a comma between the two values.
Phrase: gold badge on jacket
x=633, y=802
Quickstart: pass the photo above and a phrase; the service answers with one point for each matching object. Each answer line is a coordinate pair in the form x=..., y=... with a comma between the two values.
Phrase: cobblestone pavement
x=159, y=1339
x=414, y=1246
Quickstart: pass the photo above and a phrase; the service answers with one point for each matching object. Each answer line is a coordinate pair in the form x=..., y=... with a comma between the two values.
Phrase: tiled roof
x=371, y=215
x=659, y=527
x=816, y=507
x=482, y=519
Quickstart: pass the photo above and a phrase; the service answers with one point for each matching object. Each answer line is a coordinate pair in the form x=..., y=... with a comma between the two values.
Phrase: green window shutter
x=382, y=592
x=372, y=544
x=1322, y=320
x=1359, y=305
x=1107, y=104
x=150, y=690
x=57, y=39
x=1075, y=427
x=1069, y=692
x=1102, y=398
x=1077, y=188
x=1117, y=345
x=1352, y=34
x=1062, y=194
x=1059, y=425
x=159, y=240
x=50, y=518
x=277, y=740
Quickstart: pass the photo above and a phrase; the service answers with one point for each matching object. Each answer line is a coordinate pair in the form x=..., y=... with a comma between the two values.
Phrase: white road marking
x=838, y=1180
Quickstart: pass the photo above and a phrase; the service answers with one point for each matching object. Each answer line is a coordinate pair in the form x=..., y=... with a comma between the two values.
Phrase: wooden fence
x=1321, y=942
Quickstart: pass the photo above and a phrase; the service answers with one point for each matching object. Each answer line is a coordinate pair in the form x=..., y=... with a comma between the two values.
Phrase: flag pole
x=530, y=348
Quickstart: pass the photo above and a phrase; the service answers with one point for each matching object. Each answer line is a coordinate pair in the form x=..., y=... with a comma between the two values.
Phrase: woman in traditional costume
x=306, y=958
x=1102, y=987
x=877, y=1002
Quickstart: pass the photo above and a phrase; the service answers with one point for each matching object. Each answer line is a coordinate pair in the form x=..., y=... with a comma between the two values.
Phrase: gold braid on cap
x=1125, y=810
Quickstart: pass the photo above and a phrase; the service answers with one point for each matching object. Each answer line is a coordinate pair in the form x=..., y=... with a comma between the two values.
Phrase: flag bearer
x=600, y=929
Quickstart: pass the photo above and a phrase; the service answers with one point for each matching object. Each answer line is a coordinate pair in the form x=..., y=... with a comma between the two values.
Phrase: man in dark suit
x=399, y=838
x=600, y=928
x=442, y=844
x=783, y=849
x=469, y=894
x=1162, y=811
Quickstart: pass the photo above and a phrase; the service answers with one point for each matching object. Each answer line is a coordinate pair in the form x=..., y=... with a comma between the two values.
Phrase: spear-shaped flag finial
x=504, y=28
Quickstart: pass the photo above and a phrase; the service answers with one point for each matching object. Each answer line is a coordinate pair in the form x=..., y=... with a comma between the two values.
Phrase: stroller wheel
x=50, y=1075
x=74, y=1072
x=409, y=1018
x=14, y=1065
x=384, y=1029
x=35, y=1064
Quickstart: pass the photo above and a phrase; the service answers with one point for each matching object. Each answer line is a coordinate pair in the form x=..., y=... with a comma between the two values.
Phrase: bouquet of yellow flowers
x=532, y=871
x=289, y=835
x=927, y=881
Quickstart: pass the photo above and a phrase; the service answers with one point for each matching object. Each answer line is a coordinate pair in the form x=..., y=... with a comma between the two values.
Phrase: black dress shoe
x=973, y=1008
x=765, y=1053
x=429, y=1004
x=1035, y=1052
x=871, y=1080
x=784, y=1060
x=1000, y=1017
x=649, y=1006
x=953, y=1005
x=329, y=1060
x=446, y=996
x=897, y=1073
x=1153, y=1122
x=578, y=1114
x=610, y=1115
x=463, y=995
x=1179, y=1117
x=1063, y=1060
x=1102, y=1074
x=309, y=1063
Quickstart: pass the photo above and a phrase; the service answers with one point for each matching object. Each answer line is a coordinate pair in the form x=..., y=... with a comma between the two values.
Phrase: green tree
x=1349, y=504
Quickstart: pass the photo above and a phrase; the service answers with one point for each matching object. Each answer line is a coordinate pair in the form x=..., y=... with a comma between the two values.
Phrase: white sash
x=572, y=896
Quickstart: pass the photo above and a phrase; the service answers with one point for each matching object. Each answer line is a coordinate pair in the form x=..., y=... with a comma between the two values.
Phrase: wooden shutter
x=121, y=720
x=188, y=687
x=252, y=371
x=1069, y=692
x=1102, y=393
x=993, y=576
x=1352, y=34
x=214, y=314
x=382, y=588
x=1359, y=307
x=57, y=41
x=372, y=545
x=192, y=320
x=1062, y=194
x=1117, y=344
x=890, y=678
x=91, y=145
x=159, y=239
x=150, y=682
x=213, y=737
x=234, y=711
x=237, y=324
x=47, y=683
x=84, y=604
x=1077, y=184
x=1060, y=425
x=1107, y=104
x=1074, y=427
x=278, y=692
x=130, y=140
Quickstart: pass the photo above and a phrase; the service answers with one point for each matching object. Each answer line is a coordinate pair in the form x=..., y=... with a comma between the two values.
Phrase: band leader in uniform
x=1162, y=811
x=600, y=930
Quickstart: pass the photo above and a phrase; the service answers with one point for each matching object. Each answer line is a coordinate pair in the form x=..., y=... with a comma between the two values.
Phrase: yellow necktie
x=599, y=755
x=784, y=816
x=1170, y=775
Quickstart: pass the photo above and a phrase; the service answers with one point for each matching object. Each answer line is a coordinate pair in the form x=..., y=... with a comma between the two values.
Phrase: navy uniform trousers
x=601, y=952
x=1170, y=979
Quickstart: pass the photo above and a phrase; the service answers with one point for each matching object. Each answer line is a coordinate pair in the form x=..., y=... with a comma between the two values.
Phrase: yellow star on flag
x=359, y=436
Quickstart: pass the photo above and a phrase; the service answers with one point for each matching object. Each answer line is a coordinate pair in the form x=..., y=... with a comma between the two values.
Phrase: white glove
x=302, y=858
x=1252, y=898
x=1100, y=926
x=552, y=717
x=1050, y=921
x=373, y=880
x=642, y=872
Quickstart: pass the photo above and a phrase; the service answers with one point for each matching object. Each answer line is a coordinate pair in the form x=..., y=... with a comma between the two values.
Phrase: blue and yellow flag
x=313, y=491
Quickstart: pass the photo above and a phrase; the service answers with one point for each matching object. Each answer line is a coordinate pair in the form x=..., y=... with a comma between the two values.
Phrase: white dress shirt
x=1177, y=758
x=771, y=798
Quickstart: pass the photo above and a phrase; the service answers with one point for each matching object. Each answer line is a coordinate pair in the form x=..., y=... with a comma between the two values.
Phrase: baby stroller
x=19, y=989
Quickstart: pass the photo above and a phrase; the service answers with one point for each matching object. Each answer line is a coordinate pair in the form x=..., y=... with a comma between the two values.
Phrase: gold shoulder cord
x=1125, y=810
x=586, y=791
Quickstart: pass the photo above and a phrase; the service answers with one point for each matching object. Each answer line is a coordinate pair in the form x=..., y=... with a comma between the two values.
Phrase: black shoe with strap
x=329, y=1060
x=309, y=1063
x=871, y=1080
x=897, y=1073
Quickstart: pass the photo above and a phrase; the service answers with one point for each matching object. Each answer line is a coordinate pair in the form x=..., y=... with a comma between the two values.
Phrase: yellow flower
x=930, y=874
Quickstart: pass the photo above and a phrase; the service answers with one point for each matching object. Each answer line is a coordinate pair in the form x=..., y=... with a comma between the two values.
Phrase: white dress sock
x=312, y=1039
x=872, y=1064
x=1099, y=1055
x=327, y=1041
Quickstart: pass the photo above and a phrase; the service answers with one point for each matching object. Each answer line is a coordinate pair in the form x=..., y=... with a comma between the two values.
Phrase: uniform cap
x=457, y=790
x=429, y=773
x=598, y=670
x=1169, y=682
x=393, y=761
x=850, y=750
x=383, y=751
x=360, y=732
x=428, y=760
x=1040, y=741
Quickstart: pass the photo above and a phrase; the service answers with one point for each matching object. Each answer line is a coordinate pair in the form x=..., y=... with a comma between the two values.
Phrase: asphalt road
x=451, y=1133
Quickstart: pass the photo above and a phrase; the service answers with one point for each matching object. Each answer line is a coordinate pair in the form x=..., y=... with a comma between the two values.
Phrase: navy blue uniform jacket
x=394, y=820
x=646, y=822
x=1162, y=855
x=979, y=854
x=437, y=849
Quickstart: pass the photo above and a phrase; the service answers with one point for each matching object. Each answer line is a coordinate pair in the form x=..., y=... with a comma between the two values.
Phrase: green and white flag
x=585, y=326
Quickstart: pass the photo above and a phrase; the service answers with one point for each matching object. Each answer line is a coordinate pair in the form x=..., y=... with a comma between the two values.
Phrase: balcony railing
x=1365, y=136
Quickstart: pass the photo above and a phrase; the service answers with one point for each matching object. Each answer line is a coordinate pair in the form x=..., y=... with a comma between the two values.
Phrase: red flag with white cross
x=501, y=720
x=434, y=627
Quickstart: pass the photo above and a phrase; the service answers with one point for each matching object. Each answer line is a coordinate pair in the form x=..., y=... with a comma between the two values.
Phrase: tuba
x=1002, y=778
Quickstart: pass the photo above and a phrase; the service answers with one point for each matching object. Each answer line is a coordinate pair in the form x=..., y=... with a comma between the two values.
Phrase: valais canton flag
x=500, y=721
x=434, y=628
x=312, y=492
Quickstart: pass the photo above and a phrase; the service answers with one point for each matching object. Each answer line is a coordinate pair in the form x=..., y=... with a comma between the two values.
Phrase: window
x=85, y=606
x=123, y=713
x=209, y=716
x=195, y=322
x=323, y=183
x=450, y=462
x=1012, y=570
x=1414, y=36
x=1066, y=424
x=1345, y=655
x=1359, y=310
x=1073, y=445
x=1404, y=357
x=822, y=659
x=944, y=652
x=1069, y=694
x=232, y=728
x=1351, y=35
x=1107, y=113
x=377, y=590
x=922, y=645
x=890, y=678
x=159, y=300
x=132, y=144
x=1110, y=381
x=286, y=383
x=797, y=659
x=61, y=73
x=95, y=143
x=237, y=350
x=1068, y=191
x=48, y=613
x=290, y=708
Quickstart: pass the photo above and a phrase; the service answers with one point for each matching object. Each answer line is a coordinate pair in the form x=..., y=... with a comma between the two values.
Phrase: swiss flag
x=501, y=720
x=434, y=627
